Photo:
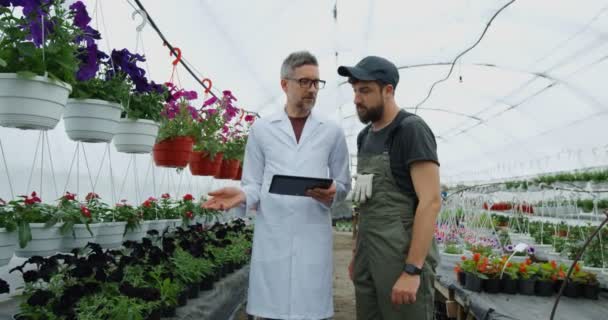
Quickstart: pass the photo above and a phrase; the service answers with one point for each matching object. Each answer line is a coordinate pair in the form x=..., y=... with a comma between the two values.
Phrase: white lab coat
x=291, y=266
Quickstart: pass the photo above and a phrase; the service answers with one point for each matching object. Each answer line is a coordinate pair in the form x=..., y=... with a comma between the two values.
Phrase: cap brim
x=354, y=72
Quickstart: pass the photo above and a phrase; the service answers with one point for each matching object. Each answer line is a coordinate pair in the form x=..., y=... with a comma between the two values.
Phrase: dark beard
x=371, y=114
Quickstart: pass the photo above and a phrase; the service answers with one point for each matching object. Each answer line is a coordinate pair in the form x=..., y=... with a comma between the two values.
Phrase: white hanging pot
x=110, y=234
x=45, y=241
x=31, y=103
x=90, y=120
x=8, y=243
x=79, y=237
x=158, y=225
x=139, y=233
x=135, y=136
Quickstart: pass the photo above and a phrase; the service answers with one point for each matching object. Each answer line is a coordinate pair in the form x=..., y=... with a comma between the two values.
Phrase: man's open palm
x=225, y=198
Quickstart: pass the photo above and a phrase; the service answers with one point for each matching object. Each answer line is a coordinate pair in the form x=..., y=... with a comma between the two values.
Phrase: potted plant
x=136, y=227
x=473, y=278
x=169, y=212
x=451, y=253
x=233, y=152
x=95, y=104
x=510, y=277
x=491, y=269
x=591, y=289
x=206, y=160
x=177, y=128
x=37, y=226
x=79, y=225
x=8, y=236
x=546, y=278
x=527, y=281
x=138, y=126
x=151, y=212
x=575, y=285
x=110, y=231
x=38, y=60
x=187, y=209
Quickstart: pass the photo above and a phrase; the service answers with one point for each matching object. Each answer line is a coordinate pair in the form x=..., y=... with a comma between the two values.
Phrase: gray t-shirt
x=413, y=141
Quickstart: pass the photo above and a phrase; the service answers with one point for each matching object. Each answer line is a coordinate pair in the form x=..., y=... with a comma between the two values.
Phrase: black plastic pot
x=461, y=278
x=508, y=285
x=591, y=291
x=526, y=286
x=491, y=285
x=558, y=285
x=193, y=291
x=472, y=282
x=168, y=312
x=155, y=315
x=206, y=284
x=573, y=289
x=544, y=288
x=182, y=299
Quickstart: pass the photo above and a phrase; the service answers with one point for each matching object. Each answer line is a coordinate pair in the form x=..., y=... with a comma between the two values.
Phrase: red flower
x=463, y=258
x=85, y=212
x=189, y=215
x=476, y=257
x=553, y=264
x=522, y=268
x=69, y=196
x=33, y=199
x=165, y=196
x=147, y=204
x=152, y=199
x=91, y=196
x=188, y=197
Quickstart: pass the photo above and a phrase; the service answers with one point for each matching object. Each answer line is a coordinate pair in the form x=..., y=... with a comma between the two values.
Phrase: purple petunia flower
x=531, y=250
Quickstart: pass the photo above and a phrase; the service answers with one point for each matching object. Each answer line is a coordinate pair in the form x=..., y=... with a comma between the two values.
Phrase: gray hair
x=295, y=60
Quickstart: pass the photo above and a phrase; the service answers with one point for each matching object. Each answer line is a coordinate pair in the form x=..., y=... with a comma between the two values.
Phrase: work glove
x=362, y=190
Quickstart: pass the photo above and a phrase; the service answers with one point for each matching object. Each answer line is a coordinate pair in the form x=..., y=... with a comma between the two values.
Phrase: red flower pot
x=229, y=169
x=202, y=165
x=239, y=174
x=173, y=153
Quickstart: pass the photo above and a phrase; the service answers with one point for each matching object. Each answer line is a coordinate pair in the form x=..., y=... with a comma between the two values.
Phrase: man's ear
x=388, y=90
x=284, y=85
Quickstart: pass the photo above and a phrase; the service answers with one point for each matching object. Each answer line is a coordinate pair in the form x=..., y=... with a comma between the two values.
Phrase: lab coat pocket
x=313, y=265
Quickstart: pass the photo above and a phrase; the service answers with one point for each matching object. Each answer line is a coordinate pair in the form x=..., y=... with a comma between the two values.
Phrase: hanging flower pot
x=229, y=169
x=173, y=152
x=202, y=165
x=45, y=241
x=8, y=242
x=239, y=175
x=31, y=103
x=91, y=120
x=79, y=236
x=135, y=136
x=110, y=234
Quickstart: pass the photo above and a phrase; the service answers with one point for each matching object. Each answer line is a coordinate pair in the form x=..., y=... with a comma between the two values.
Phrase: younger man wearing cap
x=397, y=187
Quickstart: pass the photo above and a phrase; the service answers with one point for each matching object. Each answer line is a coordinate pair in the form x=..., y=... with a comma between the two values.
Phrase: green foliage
x=208, y=138
x=56, y=57
x=188, y=269
x=116, y=89
x=453, y=249
x=181, y=125
x=145, y=106
x=110, y=304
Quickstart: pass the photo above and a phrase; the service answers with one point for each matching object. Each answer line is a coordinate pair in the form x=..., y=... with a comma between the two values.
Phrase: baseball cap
x=372, y=68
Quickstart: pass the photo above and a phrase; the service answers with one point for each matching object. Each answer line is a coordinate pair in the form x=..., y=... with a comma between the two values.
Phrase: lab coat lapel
x=311, y=125
x=281, y=121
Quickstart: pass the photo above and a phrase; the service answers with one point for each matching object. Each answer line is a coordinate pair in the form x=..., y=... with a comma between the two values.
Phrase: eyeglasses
x=306, y=83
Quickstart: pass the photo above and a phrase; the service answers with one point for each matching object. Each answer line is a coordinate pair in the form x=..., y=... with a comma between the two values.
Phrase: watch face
x=412, y=269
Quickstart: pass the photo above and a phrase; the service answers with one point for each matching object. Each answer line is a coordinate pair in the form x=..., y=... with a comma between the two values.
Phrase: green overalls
x=385, y=231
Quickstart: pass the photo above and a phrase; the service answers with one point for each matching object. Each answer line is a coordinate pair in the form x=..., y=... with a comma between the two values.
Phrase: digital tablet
x=296, y=186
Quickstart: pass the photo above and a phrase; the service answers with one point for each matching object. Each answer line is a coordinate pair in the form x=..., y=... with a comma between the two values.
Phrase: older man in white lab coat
x=291, y=267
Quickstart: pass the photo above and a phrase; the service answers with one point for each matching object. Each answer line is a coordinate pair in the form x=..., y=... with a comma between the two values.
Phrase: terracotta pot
x=202, y=165
x=173, y=153
x=229, y=169
x=239, y=175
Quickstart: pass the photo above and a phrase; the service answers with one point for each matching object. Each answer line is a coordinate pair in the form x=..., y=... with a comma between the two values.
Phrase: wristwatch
x=412, y=270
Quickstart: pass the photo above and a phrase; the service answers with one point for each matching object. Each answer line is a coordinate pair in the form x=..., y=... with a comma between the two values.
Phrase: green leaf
x=3, y=63
x=25, y=233
x=26, y=74
x=66, y=227
x=26, y=49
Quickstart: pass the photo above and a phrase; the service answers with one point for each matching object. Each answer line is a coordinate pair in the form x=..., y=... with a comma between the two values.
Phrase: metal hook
x=144, y=16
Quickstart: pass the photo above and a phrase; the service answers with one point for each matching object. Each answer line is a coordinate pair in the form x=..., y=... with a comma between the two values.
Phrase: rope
x=86, y=162
x=29, y=181
x=10, y=184
x=48, y=146
x=70, y=171
x=137, y=191
x=103, y=159
x=42, y=162
x=112, y=184
x=122, y=187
